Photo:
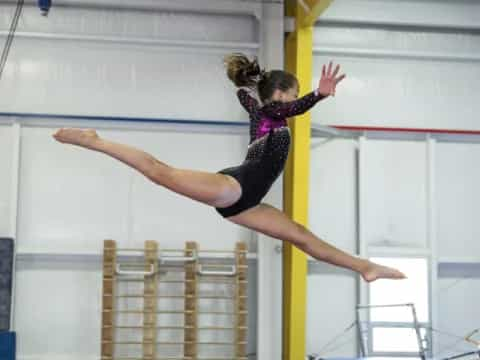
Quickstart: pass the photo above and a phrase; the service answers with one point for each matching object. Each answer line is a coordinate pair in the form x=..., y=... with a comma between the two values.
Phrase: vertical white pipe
x=16, y=138
x=269, y=260
x=432, y=234
x=362, y=241
x=362, y=288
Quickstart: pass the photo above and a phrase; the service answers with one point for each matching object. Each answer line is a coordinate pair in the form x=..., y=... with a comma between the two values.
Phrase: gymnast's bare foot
x=375, y=271
x=85, y=138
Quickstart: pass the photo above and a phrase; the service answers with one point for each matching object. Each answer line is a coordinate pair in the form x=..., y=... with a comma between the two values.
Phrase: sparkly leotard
x=268, y=149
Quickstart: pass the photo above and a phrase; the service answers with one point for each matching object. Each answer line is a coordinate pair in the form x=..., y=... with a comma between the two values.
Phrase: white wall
x=72, y=199
x=124, y=63
x=167, y=64
x=332, y=216
x=458, y=296
x=405, y=67
x=58, y=309
x=417, y=198
x=458, y=199
x=409, y=64
x=394, y=179
x=106, y=61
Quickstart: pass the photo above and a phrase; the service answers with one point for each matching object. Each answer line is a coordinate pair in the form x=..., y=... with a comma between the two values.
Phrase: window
x=392, y=330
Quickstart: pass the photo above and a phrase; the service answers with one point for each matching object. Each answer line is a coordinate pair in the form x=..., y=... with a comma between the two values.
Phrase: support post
x=299, y=61
x=150, y=290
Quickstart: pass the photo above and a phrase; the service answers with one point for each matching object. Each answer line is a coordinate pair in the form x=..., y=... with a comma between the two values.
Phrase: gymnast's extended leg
x=273, y=222
x=217, y=190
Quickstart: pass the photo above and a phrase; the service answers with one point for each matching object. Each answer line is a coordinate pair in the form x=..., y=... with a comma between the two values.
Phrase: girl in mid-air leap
x=236, y=193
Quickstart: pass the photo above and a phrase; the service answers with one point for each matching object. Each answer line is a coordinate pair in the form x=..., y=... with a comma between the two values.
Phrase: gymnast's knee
x=159, y=173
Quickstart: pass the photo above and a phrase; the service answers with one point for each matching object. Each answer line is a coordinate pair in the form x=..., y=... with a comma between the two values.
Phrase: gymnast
x=236, y=193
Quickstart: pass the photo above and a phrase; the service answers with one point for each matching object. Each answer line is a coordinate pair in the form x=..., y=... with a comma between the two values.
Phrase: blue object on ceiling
x=44, y=6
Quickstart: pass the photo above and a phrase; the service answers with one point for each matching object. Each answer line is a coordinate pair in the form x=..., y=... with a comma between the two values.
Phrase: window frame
x=426, y=340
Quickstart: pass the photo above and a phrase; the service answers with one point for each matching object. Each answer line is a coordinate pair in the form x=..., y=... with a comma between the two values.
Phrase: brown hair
x=245, y=72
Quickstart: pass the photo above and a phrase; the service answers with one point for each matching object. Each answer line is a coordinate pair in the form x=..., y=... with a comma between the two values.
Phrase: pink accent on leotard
x=266, y=124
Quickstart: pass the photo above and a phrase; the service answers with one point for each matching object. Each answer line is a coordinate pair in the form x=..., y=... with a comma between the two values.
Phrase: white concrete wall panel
x=72, y=199
x=458, y=200
x=332, y=216
x=125, y=63
x=332, y=199
x=458, y=299
x=133, y=24
x=61, y=318
x=394, y=202
x=330, y=310
x=433, y=13
x=400, y=76
x=409, y=64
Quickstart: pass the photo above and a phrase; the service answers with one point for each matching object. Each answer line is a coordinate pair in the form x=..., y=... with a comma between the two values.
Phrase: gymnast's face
x=285, y=96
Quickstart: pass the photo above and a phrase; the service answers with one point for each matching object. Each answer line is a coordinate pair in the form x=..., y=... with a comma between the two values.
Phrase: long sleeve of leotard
x=281, y=110
x=248, y=102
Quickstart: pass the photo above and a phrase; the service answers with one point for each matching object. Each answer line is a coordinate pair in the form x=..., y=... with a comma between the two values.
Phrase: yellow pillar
x=299, y=61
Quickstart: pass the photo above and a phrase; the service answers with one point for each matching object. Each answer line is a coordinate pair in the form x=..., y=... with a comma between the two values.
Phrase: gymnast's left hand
x=328, y=83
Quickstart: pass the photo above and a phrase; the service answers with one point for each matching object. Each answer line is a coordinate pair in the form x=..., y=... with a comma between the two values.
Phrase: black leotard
x=268, y=148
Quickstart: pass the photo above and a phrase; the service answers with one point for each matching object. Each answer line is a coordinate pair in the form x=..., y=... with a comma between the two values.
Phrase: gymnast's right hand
x=328, y=83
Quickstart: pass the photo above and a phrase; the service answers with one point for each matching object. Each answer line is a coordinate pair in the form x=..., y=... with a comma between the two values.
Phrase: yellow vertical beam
x=295, y=197
x=299, y=61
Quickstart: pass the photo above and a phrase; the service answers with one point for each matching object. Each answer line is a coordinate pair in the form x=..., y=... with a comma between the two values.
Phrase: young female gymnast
x=236, y=193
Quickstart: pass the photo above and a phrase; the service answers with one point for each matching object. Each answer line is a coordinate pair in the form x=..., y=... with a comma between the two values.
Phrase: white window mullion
x=432, y=238
x=362, y=290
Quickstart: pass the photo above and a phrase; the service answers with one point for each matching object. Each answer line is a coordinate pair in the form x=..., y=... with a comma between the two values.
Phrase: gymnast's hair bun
x=242, y=71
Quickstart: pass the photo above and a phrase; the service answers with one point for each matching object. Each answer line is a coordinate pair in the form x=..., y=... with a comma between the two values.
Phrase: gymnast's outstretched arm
x=326, y=87
x=282, y=110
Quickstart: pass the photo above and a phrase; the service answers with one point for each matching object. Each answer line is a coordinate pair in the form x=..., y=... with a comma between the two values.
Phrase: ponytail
x=242, y=71
x=245, y=72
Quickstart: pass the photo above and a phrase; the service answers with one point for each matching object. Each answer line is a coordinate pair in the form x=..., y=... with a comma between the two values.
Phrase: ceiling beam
x=312, y=9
